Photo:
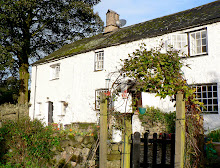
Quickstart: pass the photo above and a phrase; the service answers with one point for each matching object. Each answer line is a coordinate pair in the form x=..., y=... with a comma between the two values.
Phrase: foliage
x=9, y=90
x=26, y=143
x=153, y=116
x=32, y=29
x=211, y=154
x=157, y=72
x=214, y=135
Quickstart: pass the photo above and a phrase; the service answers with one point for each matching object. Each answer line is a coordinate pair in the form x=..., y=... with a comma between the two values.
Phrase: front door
x=50, y=112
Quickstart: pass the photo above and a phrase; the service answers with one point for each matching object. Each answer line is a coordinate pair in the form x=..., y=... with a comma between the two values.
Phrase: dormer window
x=99, y=61
x=55, y=71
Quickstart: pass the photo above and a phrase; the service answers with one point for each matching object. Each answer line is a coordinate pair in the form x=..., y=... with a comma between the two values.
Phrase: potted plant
x=215, y=137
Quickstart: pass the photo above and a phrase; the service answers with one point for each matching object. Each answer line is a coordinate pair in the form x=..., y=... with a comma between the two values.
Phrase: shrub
x=26, y=143
x=214, y=135
x=153, y=116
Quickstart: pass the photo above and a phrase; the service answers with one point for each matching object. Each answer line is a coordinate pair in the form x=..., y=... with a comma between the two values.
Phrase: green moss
x=197, y=16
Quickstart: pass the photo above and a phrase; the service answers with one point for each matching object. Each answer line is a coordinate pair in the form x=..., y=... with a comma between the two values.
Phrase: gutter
x=35, y=88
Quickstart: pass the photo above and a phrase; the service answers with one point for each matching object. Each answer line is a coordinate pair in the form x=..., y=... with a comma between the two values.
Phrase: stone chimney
x=111, y=18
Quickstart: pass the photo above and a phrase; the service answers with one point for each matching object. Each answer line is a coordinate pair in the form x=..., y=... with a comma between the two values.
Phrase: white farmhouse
x=65, y=84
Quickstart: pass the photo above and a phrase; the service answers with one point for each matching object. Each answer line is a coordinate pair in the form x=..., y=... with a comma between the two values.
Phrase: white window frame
x=208, y=94
x=198, y=43
x=99, y=60
x=62, y=108
x=97, y=97
x=55, y=71
x=38, y=109
x=179, y=42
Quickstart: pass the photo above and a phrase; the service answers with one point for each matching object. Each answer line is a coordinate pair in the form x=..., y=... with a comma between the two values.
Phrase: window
x=179, y=42
x=207, y=93
x=97, y=97
x=198, y=42
x=55, y=71
x=38, y=109
x=99, y=60
x=62, y=108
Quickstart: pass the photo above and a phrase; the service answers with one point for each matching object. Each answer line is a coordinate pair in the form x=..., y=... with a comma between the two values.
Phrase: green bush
x=214, y=135
x=26, y=143
x=153, y=116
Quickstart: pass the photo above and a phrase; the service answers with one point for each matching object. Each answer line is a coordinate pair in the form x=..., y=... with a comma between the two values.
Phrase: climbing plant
x=160, y=72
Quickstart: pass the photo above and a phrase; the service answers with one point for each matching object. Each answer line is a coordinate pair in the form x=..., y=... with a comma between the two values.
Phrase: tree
x=31, y=29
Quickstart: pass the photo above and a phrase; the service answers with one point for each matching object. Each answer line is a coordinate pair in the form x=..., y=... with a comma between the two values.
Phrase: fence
x=153, y=151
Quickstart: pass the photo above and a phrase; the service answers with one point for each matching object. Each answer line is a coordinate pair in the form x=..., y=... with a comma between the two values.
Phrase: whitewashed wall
x=78, y=80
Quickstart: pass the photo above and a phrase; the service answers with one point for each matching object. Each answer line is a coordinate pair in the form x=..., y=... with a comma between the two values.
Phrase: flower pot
x=217, y=147
x=142, y=110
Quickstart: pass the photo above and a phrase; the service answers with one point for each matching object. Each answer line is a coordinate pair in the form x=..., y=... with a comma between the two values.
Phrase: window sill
x=193, y=56
x=210, y=112
x=98, y=70
x=54, y=79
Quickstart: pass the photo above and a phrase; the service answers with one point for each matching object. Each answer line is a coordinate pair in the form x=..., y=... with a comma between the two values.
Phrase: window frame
x=97, y=99
x=201, y=43
x=99, y=61
x=184, y=51
x=204, y=96
x=55, y=71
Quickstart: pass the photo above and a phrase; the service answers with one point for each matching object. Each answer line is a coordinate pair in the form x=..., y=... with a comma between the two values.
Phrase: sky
x=137, y=11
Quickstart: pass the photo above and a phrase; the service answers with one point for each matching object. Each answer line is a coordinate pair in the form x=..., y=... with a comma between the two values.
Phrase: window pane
x=214, y=101
x=204, y=34
x=205, y=101
x=204, y=49
x=199, y=50
x=214, y=88
x=209, y=88
x=214, y=94
x=209, y=108
x=203, y=41
x=215, y=108
x=209, y=94
x=198, y=35
x=204, y=88
x=209, y=101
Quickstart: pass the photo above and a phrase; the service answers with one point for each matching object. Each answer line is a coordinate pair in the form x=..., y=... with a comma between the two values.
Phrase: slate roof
x=202, y=15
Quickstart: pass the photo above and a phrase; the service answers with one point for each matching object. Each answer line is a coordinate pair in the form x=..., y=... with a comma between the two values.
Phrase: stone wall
x=79, y=148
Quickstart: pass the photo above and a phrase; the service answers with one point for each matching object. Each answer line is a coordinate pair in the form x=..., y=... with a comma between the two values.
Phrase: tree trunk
x=23, y=90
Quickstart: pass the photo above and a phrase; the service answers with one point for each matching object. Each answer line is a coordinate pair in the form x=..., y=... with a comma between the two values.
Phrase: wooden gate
x=153, y=153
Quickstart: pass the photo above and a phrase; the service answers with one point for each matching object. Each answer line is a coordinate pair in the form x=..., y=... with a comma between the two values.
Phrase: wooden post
x=154, y=160
x=103, y=132
x=126, y=146
x=180, y=131
x=146, y=150
x=136, y=151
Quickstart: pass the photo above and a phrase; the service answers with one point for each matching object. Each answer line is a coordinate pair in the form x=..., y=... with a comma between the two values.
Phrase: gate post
x=180, y=131
x=103, y=132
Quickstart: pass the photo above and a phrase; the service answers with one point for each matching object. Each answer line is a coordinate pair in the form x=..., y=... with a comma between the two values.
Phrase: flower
x=70, y=129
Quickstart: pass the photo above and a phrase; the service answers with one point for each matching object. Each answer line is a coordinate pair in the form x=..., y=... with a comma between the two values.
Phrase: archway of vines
x=160, y=72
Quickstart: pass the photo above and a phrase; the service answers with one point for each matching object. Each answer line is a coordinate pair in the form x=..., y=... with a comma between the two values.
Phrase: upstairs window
x=179, y=42
x=98, y=98
x=207, y=94
x=99, y=61
x=55, y=71
x=198, y=42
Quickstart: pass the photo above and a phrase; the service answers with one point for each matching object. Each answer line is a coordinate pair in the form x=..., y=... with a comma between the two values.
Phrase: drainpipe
x=35, y=88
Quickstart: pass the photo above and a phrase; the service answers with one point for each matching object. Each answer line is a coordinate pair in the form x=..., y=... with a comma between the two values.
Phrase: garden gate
x=153, y=153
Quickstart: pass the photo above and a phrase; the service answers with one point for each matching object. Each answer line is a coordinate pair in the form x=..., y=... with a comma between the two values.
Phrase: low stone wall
x=78, y=150
x=114, y=155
